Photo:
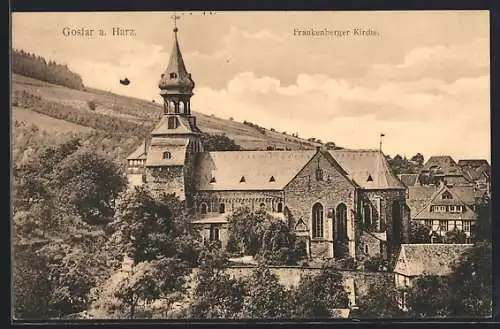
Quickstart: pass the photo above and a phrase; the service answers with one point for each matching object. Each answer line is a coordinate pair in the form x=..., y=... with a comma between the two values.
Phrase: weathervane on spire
x=175, y=17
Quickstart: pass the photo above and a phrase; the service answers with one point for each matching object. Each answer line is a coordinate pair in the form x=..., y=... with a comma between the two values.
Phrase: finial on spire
x=175, y=18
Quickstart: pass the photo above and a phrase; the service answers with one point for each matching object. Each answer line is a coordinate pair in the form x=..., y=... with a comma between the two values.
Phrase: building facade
x=342, y=203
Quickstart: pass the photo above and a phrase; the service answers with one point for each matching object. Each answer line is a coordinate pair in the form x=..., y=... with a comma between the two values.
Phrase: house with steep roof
x=446, y=211
x=417, y=260
x=337, y=201
x=443, y=169
x=479, y=172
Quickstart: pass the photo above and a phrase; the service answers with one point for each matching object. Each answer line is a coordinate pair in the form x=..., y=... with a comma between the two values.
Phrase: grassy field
x=44, y=122
x=140, y=111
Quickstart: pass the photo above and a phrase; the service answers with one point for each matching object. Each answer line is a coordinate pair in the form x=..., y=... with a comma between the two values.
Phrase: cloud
x=447, y=63
x=444, y=117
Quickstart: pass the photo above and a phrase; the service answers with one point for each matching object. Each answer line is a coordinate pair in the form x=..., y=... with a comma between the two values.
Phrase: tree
x=218, y=143
x=33, y=178
x=380, y=300
x=31, y=285
x=471, y=282
x=455, y=236
x=216, y=295
x=419, y=159
x=245, y=228
x=318, y=294
x=467, y=291
x=90, y=183
x=259, y=234
x=481, y=230
x=149, y=281
x=277, y=246
x=397, y=161
x=429, y=296
x=266, y=297
x=419, y=233
x=147, y=228
x=330, y=146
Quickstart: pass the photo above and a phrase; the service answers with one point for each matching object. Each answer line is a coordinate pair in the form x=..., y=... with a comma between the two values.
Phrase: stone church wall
x=166, y=179
x=232, y=200
x=382, y=202
x=305, y=190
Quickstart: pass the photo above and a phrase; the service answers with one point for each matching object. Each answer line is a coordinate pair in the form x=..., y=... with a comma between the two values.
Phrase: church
x=342, y=203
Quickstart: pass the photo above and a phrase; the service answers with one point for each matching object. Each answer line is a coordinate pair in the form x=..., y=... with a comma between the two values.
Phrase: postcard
x=251, y=165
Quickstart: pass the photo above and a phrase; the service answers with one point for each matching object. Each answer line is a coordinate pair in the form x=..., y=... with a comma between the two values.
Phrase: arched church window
x=368, y=216
x=222, y=208
x=203, y=208
x=172, y=122
x=340, y=232
x=173, y=75
x=214, y=233
x=280, y=207
x=317, y=221
x=341, y=222
x=167, y=155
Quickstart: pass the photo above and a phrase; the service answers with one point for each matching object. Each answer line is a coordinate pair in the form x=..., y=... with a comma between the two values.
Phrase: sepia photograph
x=230, y=165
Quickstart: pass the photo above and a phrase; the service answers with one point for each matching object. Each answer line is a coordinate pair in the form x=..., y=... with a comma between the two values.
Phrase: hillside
x=137, y=111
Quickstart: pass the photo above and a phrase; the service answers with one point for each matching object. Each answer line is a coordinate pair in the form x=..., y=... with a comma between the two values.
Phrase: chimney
x=318, y=148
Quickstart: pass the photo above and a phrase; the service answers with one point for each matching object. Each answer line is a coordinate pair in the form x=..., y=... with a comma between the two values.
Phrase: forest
x=37, y=67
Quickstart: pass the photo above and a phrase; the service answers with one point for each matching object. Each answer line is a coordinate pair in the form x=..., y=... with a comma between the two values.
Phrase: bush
x=92, y=105
x=258, y=234
x=375, y=264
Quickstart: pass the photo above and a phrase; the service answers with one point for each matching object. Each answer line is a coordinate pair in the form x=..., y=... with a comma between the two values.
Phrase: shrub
x=92, y=105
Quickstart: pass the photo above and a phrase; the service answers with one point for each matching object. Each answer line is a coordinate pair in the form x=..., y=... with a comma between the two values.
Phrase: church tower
x=168, y=160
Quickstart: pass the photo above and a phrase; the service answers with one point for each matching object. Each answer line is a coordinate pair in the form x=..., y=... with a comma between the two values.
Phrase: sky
x=421, y=78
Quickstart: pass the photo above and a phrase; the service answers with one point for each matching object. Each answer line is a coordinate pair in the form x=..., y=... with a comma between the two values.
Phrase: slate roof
x=428, y=259
x=255, y=167
x=477, y=173
x=176, y=146
x=474, y=163
x=437, y=200
x=468, y=194
x=362, y=164
x=443, y=165
x=441, y=161
x=252, y=170
x=138, y=154
x=184, y=126
x=409, y=179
